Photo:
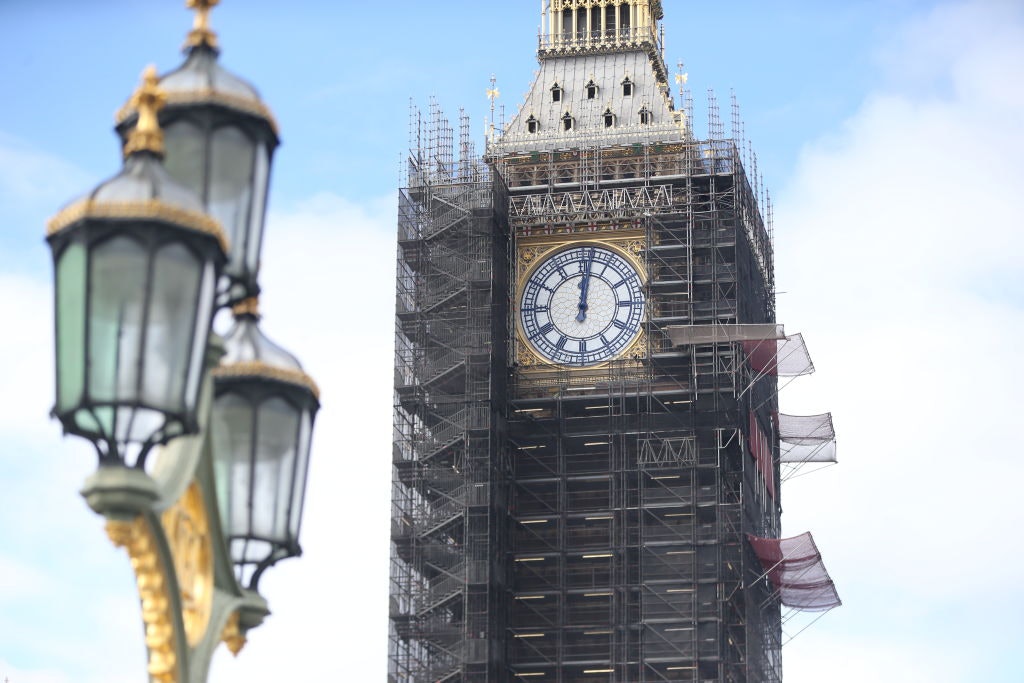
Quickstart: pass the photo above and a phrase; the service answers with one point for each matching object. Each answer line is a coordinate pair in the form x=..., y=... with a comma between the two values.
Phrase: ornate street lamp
x=136, y=263
x=220, y=140
x=141, y=264
x=263, y=411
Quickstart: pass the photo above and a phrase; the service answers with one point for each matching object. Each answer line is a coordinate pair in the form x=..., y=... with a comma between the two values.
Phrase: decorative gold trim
x=250, y=306
x=148, y=100
x=232, y=635
x=208, y=96
x=533, y=249
x=187, y=528
x=149, y=209
x=137, y=538
x=526, y=230
x=257, y=368
x=201, y=34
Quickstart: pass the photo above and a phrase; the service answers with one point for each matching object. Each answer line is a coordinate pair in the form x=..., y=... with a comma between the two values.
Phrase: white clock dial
x=582, y=306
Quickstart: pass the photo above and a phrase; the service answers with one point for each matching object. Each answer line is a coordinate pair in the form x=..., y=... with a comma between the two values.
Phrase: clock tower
x=587, y=436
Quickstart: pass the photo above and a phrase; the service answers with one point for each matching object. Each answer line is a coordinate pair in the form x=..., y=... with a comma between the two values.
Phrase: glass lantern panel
x=138, y=425
x=204, y=322
x=185, y=154
x=259, y=207
x=247, y=553
x=86, y=421
x=232, y=432
x=278, y=424
x=230, y=189
x=117, y=275
x=70, y=326
x=301, y=471
x=169, y=339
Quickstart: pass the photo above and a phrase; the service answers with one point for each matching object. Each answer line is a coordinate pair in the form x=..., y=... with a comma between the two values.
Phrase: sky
x=888, y=132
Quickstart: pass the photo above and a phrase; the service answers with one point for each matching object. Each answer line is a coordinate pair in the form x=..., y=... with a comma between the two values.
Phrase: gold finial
x=147, y=100
x=201, y=34
x=232, y=635
x=682, y=77
x=250, y=306
x=492, y=94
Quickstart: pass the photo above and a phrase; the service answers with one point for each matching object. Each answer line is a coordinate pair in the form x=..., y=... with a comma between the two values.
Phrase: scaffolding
x=447, y=501
x=593, y=524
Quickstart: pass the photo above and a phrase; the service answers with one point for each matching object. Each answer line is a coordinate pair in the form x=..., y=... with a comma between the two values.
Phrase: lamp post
x=203, y=442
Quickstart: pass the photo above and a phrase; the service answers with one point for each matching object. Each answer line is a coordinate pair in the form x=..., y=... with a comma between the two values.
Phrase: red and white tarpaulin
x=795, y=569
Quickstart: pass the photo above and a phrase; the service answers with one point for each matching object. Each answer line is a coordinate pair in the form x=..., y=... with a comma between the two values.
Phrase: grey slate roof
x=572, y=73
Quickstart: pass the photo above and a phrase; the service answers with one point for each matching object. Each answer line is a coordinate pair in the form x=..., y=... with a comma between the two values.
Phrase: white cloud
x=329, y=298
x=900, y=252
x=31, y=176
x=26, y=307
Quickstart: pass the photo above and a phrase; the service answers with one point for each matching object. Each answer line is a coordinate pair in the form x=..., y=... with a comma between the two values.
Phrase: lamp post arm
x=171, y=528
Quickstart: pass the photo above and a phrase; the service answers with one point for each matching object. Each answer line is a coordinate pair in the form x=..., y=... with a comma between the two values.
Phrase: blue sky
x=888, y=132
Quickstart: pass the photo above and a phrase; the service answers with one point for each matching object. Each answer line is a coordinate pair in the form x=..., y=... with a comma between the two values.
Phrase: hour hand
x=584, y=288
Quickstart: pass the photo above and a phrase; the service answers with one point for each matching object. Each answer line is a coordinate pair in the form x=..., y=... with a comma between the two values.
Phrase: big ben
x=588, y=443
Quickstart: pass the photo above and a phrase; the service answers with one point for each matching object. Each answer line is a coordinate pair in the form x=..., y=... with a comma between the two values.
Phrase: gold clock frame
x=533, y=250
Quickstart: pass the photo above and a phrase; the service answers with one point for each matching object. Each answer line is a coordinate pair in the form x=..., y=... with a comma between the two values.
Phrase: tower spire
x=576, y=27
x=492, y=94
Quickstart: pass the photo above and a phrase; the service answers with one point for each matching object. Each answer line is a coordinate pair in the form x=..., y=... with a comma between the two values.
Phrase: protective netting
x=795, y=568
x=682, y=335
x=786, y=357
x=806, y=438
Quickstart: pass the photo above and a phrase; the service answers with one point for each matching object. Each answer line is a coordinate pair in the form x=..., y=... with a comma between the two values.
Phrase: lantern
x=263, y=411
x=137, y=262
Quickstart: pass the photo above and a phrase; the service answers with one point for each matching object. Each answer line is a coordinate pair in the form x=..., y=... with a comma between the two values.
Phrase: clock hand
x=585, y=288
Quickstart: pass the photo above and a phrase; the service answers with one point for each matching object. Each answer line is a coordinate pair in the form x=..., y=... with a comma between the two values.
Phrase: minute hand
x=584, y=288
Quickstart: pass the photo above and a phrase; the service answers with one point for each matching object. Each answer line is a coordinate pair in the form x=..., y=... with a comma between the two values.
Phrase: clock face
x=582, y=306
